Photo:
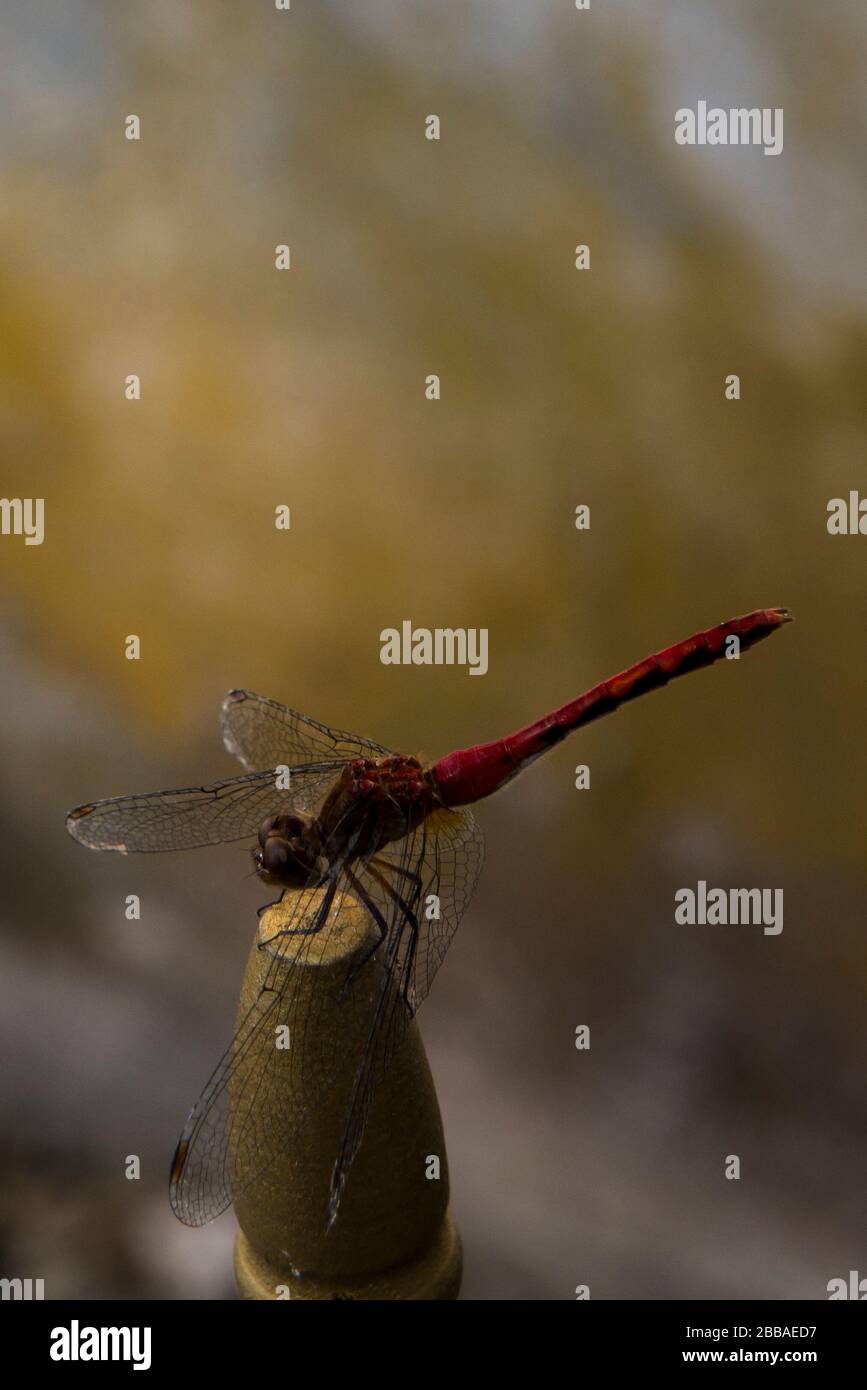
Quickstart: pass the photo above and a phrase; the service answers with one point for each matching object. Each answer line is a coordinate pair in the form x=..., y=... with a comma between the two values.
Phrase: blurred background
x=603, y=387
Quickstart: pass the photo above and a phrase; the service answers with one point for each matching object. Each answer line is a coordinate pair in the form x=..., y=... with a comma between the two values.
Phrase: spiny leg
x=405, y=907
x=411, y=921
x=415, y=879
x=265, y=906
x=380, y=922
x=321, y=917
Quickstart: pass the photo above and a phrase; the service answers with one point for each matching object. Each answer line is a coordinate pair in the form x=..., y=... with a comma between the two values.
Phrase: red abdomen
x=472, y=773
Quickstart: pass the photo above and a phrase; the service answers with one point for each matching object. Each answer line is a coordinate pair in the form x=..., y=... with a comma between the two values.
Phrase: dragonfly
x=353, y=819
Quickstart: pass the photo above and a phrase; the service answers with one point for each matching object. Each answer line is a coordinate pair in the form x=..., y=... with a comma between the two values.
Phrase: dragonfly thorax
x=373, y=801
x=397, y=776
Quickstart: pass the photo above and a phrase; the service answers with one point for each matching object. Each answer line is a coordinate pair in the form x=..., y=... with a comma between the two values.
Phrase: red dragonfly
x=357, y=820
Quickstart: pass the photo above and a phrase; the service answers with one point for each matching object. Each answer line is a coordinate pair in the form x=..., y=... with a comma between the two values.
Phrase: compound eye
x=275, y=856
x=265, y=829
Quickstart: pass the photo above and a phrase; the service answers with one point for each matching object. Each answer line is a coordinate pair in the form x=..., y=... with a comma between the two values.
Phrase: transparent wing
x=262, y=733
x=233, y=1116
x=193, y=816
x=444, y=858
x=421, y=886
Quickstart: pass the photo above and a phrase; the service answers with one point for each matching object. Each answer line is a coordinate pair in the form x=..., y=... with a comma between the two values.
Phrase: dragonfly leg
x=289, y=931
x=411, y=921
x=321, y=916
x=381, y=925
x=265, y=906
x=408, y=874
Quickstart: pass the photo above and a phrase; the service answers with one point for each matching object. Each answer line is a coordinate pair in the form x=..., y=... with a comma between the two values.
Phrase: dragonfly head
x=288, y=849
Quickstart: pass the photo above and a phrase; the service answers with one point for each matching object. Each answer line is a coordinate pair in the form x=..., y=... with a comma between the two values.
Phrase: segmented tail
x=473, y=773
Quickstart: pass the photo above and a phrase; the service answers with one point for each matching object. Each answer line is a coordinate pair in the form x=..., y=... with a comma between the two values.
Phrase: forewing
x=263, y=733
x=193, y=816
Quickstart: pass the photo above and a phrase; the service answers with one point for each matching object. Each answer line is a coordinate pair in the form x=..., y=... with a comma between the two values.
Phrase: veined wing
x=263, y=733
x=231, y=1136
x=189, y=817
x=447, y=852
x=418, y=889
x=235, y=1114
